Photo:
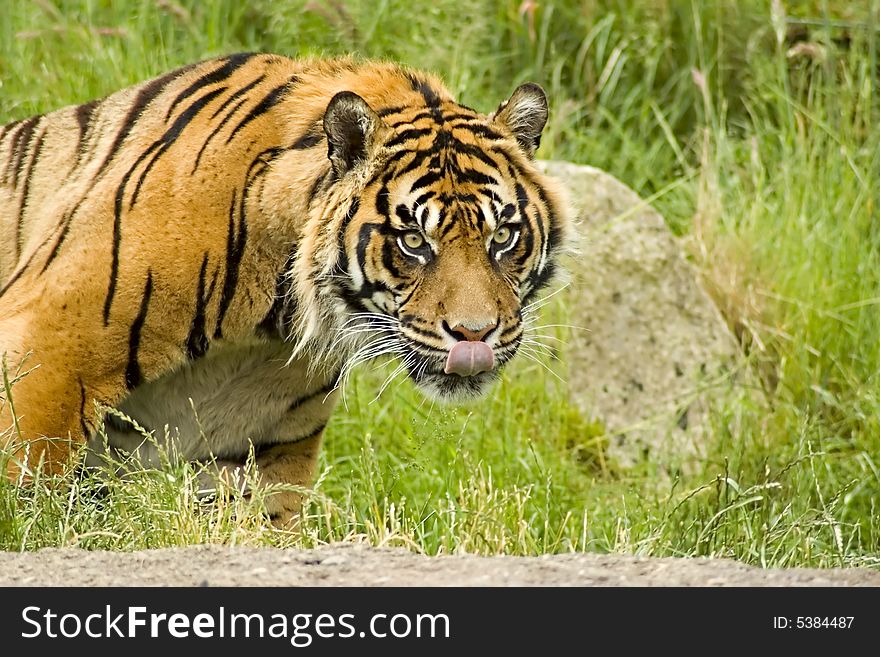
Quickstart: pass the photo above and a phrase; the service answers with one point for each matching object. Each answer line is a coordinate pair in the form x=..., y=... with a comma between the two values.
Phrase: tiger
x=212, y=249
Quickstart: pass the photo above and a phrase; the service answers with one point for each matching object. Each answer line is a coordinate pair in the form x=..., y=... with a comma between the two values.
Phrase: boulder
x=653, y=350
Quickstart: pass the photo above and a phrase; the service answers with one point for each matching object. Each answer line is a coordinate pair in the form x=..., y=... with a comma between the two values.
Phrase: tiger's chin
x=452, y=388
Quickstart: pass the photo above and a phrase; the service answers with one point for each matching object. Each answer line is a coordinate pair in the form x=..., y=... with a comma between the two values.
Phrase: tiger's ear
x=525, y=115
x=352, y=129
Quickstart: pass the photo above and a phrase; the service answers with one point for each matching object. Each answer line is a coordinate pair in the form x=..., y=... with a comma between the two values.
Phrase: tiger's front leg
x=284, y=472
x=288, y=464
x=235, y=401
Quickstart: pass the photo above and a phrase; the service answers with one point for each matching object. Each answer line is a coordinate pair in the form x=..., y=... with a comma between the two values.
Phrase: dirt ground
x=354, y=565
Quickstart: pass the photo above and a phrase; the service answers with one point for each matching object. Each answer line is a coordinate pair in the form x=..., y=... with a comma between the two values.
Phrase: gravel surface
x=354, y=565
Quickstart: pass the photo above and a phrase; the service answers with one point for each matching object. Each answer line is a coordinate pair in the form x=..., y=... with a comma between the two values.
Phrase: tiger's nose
x=464, y=333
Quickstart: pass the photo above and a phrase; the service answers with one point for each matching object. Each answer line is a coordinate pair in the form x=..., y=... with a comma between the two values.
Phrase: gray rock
x=656, y=349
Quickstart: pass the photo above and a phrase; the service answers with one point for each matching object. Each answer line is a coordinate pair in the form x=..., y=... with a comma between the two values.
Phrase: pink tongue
x=469, y=358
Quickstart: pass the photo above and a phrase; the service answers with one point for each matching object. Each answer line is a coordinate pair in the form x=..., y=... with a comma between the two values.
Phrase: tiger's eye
x=501, y=235
x=414, y=240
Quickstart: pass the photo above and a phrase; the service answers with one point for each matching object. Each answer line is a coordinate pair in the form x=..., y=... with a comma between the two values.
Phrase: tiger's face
x=451, y=263
x=453, y=233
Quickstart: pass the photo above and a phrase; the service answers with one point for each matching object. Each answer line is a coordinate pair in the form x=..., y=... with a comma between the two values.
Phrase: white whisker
x=543, y=301
x=538, y=347
x=542, y=336
x=400, y=368
x=531, y=356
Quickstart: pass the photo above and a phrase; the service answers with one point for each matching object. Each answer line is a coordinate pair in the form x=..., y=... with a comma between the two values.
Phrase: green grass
x=754, y=132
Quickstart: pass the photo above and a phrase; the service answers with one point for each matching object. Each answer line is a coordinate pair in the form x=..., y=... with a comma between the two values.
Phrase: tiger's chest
x=234, y=397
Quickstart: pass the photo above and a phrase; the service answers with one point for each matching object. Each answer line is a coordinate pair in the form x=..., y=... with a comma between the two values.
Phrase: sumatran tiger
x=208, y=250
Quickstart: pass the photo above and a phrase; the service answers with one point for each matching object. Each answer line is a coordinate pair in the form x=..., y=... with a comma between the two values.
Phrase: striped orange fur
x=229, y=237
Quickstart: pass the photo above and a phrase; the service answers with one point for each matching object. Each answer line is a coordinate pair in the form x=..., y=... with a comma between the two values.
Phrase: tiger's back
x=232, y=205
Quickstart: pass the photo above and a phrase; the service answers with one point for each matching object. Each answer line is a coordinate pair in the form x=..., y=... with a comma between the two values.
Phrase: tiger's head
x=436, y=233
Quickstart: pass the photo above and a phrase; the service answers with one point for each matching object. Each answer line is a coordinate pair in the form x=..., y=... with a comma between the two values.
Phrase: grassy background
x=753, y=126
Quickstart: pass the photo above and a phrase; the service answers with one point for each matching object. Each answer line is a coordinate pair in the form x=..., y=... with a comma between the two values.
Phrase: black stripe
x=523, y=201
x=261, y=449
x=84, y=115
x=144, y=97
x=133, y=373
x=538, y=281
x=320, y=392
x=424, y=198
x=507, y=156
x=388, y=111
x=528, y=245
x=234, y=252
x=406, y=135
x=406, y=299
x=450, y=116
x=471, y=213
x=214, y=134
x=549, y=240
x=30, y=170
x=480, y=130
x=475, y=177
x=494, y=197
x=382, y=196
x=365, y=235
x=448, y=220
x=277, y=321
x=7, y=128
x=26, y=192
x=117, y=232
x=19, y=148
x=421, y=116
x=342, y=260
x=308, y=140
x=226, y=118
x=82, y=409
x=403, y=213
x=386, y=170
x=424, y=333
x=309, y=436
x=231, y=64
x=21, y=270
x=197, y=341
x=513, y=328
x=172, y=134
x=368, y=288
x=432, y=99
x=389, y=250
x=238, y=94
x=417, y=161
x=473, y=151
x=317, y=186
x=254, y=178
x=426, y=180
x=272, y=98
x=65, y=223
